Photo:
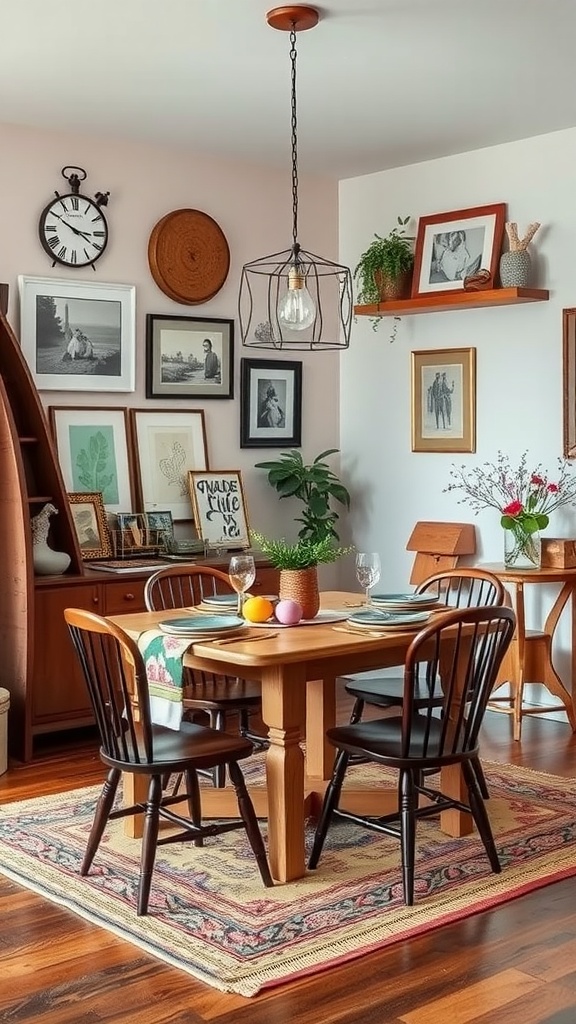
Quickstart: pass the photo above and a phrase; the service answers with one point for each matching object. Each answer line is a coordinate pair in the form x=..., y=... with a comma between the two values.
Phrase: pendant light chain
x=294, y=124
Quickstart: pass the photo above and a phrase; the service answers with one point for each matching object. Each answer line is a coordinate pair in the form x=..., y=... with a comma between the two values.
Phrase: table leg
x=283, y=711
x=134, y=791
x=320, y=716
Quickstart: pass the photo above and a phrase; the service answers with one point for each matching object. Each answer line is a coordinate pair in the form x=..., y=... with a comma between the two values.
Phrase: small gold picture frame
x=90, y=523
x=444, y=400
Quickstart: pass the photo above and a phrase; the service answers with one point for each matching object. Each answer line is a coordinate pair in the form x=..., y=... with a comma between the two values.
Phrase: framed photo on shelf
x=78, y=335
x=93, y=452
x=452, y=246
x=569, y=381
x=90, y=523
x=219, y=508
x=270, y=403
x=167, y=444
x=444, y=400
x=189, y=357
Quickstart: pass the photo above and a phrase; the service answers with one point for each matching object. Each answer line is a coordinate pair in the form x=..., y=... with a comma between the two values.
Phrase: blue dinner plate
x=202, y=624
x=385, y=619
x=419, y=600
x=218, y=600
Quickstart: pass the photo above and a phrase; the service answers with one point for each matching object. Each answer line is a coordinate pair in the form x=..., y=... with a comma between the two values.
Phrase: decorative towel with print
x=162, y=654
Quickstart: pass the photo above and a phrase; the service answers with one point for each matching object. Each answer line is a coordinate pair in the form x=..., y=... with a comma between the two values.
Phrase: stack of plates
x=221, y=601
x=393, y=621
x=203, y=627
x=405, y=602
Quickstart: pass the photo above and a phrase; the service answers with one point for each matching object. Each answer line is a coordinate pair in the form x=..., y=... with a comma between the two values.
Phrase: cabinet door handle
x=129, y=597
x=95, y=599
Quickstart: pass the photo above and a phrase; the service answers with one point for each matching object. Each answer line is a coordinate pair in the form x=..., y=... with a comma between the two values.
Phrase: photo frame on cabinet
x=569, y=381
x=167, y=444
x=270, y=403
x=90, y=523
x=78, y=335
x=219, y=508
x=94, y=454
x=189, y=357
x=452, y=246
x=444, y=400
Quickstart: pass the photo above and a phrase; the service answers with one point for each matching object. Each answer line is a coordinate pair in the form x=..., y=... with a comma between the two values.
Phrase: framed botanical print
x=270, y=403
x=167, y=444
x=444, y=400
x=189, y=357
x=92, y=446
x=78, y=335
x=219, y=508
x=91, y=525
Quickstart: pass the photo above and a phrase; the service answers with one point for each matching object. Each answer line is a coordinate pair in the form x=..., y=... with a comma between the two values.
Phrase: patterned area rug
x=209, y=914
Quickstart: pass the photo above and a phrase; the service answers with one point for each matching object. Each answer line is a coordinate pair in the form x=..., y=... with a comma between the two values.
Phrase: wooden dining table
x=297, y=668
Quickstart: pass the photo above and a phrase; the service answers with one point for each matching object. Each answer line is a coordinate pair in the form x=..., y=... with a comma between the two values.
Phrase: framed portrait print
x=93, y=452
x=90, y=523
x=270, y=403
x=167, y=445
x=444, y=400
x=219, y=508
x=569, y=381
x=452, y=246
x=189, y=357
x=78, y=335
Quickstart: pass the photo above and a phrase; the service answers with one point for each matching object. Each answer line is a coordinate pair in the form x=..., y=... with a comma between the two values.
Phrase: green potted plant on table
x=384, y=271
x=298, y=564
x=315, y=485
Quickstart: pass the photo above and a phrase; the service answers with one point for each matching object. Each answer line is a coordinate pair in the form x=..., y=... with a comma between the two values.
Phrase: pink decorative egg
x=288, y=612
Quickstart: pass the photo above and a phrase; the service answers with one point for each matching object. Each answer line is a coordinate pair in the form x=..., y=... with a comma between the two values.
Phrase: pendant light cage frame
x=264, y=280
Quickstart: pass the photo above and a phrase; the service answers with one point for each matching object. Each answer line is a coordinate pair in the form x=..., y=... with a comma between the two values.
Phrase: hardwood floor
x=517, y=963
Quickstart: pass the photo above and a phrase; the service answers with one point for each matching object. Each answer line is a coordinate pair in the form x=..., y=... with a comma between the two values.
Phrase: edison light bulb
x=296, y=309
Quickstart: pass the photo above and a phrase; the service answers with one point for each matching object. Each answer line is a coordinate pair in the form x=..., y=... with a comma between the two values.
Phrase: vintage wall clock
x=188, y=256
x=73, y=228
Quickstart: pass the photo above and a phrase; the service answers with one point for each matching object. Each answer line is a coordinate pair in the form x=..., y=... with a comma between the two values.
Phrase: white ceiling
x=381, y=83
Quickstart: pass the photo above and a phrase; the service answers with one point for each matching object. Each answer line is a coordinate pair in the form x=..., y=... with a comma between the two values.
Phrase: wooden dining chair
x=454, y=588
x=466, y=647
x=116, y=678
x=219, y=696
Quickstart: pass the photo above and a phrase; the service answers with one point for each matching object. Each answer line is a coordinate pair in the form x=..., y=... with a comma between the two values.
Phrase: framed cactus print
x=167, y=444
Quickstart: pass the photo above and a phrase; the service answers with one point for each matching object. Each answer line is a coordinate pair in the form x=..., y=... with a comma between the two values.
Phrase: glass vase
x=522, y=549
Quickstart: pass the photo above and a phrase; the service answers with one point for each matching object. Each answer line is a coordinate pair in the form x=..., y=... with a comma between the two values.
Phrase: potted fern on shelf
x=384, y=271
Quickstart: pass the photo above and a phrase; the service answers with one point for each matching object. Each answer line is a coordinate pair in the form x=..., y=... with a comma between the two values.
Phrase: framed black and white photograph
x=189, y=357
x=78, y=336
x=91, y=525
x=444, y=400
x=270, y=403
x=219, y=508
x=453, y=246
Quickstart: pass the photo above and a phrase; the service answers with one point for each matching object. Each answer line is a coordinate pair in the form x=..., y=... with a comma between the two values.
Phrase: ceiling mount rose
x=292, y=17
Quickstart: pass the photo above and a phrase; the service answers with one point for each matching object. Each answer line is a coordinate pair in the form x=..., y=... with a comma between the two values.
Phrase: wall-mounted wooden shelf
x=442, y=302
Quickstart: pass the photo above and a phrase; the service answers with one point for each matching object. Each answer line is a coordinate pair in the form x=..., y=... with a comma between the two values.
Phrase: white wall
x=253, y=206
x=519, y=348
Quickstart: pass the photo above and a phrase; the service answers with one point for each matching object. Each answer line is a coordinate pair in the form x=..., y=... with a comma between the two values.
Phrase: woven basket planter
x=301, y=585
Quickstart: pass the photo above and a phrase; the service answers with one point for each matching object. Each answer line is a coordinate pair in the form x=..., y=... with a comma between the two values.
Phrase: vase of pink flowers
x=524, y=497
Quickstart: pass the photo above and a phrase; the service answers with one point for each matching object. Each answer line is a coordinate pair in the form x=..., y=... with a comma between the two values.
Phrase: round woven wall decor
x=188, y=256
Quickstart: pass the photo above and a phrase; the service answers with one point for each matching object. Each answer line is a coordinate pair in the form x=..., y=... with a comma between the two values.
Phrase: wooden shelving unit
x=442, y=302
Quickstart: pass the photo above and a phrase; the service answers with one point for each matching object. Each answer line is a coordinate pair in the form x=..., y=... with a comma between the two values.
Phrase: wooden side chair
x=465, y=647
x=219, y=696
x=114, y=671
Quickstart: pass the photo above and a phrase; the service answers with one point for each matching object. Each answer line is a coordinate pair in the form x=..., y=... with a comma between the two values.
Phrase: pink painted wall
x=253, y=207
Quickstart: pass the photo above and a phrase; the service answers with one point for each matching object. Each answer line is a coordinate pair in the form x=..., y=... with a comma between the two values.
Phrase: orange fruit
x=258, y=609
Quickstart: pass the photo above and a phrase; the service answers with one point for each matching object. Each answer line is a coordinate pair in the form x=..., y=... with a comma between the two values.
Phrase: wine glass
x=367, y=571
x=242, y=573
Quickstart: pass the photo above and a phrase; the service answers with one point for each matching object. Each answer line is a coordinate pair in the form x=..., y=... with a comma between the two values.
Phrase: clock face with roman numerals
x=73, y=230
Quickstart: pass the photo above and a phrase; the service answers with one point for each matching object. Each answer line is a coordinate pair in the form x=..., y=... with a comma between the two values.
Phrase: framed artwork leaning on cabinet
x=219, y=508
x=90, y=523
x=94, y=452
x=167, y=444
x=78, y=335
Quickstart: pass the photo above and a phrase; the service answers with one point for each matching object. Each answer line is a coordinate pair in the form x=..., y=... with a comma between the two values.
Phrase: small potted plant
x=298, y=563
x=384, y=271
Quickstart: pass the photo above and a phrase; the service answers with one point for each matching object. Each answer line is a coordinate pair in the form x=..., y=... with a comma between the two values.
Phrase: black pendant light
x=294, y=299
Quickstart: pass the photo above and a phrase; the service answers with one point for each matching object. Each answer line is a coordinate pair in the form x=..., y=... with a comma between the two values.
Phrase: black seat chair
x=466, y=646
x=454, y=588
x=114, y=672
x=219, y=696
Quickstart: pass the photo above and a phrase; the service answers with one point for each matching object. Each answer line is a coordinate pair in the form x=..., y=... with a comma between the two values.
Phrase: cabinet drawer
x=127, y=596
x=267, y=582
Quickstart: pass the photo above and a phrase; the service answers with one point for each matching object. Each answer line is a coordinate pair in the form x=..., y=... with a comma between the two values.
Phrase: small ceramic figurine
x=47, y=562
